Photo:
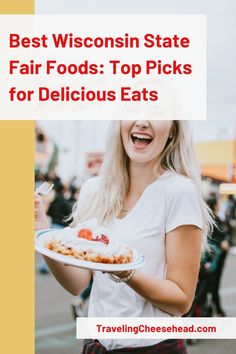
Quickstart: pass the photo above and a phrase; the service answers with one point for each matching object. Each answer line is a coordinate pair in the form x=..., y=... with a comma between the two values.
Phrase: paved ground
x=55, y=328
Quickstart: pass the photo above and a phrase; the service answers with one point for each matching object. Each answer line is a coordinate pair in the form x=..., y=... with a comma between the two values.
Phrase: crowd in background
x=207, y=300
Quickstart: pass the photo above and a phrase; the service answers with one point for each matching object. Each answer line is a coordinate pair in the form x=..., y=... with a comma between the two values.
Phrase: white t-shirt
x=167, y=203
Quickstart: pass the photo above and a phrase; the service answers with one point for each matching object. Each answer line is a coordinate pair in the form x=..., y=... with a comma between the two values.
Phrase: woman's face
x=144, y=140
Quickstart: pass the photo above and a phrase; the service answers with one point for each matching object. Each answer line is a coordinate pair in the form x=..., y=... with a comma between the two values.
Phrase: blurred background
x=68, y=152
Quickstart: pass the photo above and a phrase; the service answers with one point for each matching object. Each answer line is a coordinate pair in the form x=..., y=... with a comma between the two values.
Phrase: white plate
x=43, y=236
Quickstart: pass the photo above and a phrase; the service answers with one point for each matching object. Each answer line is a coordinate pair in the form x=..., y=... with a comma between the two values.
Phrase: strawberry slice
x=86, y=234
x=105, y=239
x=102, y=238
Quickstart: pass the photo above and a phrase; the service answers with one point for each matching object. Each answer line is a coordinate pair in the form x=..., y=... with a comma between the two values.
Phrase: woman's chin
x=140, y=157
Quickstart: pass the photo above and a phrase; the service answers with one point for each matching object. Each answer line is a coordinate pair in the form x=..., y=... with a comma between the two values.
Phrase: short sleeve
x=183, y=206
x=89, y=187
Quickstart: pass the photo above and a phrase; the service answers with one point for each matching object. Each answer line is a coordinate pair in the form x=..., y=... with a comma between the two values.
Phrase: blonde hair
x=107, y=201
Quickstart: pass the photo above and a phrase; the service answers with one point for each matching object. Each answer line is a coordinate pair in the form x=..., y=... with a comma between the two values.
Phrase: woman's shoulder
x=91, y=183
x=177, y=178
x=179, y=184
x=183, y=202
x=89, y=186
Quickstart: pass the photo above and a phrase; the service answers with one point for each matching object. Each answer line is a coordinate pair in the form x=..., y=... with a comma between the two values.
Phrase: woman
x=148, y=194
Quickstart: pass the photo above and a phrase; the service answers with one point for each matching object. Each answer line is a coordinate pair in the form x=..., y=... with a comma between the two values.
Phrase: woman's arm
x=175, y=293
x=72, y=279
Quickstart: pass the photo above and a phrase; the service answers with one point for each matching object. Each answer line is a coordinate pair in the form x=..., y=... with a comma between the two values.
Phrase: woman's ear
x=172, y=133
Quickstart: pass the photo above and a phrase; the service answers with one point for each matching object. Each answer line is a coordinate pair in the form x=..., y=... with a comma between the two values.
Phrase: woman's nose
x=142, y=124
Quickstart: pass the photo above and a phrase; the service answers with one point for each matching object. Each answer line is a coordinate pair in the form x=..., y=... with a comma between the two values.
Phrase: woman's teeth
x=141, y=139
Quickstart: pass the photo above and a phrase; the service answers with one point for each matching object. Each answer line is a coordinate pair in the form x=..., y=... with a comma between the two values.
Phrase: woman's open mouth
x=141, y=139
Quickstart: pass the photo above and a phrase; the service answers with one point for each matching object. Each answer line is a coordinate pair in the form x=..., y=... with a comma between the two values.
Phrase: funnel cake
x=90, y=242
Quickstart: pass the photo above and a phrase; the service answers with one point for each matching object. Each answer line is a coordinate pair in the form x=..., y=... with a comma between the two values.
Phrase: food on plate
x=89, y=241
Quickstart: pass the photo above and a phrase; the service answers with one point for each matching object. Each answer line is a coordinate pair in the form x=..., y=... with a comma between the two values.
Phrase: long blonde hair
x=107, y=201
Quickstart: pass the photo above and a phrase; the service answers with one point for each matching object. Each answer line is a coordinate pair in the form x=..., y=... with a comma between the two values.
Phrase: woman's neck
x=141, y=175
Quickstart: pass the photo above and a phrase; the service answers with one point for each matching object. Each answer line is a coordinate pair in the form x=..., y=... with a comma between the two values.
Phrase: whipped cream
x=69, y=237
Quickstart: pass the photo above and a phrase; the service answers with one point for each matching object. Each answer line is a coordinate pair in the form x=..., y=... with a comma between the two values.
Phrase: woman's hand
x=73, y=279
x=121, y=277
x=41, y=220
x=225, y=246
